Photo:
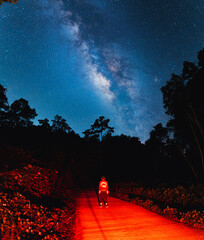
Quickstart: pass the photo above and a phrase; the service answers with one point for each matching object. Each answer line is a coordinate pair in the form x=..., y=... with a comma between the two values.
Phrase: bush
x=172, y=213
x=194, y=218
x=183, y=204
x=12, y=158
x=30, y=179
x=29, y=211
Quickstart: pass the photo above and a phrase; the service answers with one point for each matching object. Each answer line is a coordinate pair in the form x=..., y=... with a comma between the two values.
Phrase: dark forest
x=172, y=154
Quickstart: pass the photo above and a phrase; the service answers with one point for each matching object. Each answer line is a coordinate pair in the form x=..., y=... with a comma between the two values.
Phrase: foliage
x=3, y=105
x=20, y=114
x=44, y=123
x=174, y=153
x=13, y=157
x=3, y=98
x=183, y=204
x=89, y=135
x=157, y=146
x=42, y=180
x=59, y=125
x=28, y=211
x=183, y=100
x=98, y=128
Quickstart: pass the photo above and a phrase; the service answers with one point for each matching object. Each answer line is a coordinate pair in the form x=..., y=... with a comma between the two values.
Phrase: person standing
x=103, y=192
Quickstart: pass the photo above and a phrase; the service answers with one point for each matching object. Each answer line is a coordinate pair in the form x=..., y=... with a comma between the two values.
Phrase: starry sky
x=82, y=59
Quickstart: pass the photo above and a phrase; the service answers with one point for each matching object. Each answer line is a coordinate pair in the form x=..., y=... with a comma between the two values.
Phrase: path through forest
x=126, y=221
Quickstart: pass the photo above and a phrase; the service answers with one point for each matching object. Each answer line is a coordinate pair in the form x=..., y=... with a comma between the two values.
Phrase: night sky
x=85, y=58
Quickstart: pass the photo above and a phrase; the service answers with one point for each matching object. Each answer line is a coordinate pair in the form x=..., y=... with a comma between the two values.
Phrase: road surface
x=125, y=221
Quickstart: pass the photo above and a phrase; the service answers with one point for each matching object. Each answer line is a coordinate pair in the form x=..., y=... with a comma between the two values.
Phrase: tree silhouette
x=183, y=100
x=99, y=128
x=59, y=125
x=89, y=135
x=156, y=145
x=44, y=123
x=3, y=99
x=20, y=114
x=3, y=105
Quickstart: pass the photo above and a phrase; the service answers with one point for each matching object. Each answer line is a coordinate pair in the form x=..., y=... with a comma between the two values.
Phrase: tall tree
x=157, y=146
x=101, y=127
x=59, y=125
x=3, y=99
x=183, y=100
x=3, y=105
x=20, y=114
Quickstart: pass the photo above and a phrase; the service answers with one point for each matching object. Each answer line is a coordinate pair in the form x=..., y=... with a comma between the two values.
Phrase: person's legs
x=100, y=198
x=105, y=198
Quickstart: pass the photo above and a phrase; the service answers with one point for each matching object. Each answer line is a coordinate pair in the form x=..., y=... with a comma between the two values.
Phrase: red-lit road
x=126, y=221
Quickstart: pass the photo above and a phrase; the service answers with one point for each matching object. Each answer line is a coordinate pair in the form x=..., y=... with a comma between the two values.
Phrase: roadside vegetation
x=36, y=200
x=183, y=204
x=28, y=207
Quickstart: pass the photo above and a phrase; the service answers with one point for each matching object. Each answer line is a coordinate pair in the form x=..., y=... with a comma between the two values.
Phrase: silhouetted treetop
x=4, y=106
x=89, y=135
x=3, y=99
x=159, y=134
x=59, y=125
x=183, y=98
x=201, y=58
x=100, y=128
x=44, y=123
x=20, y=114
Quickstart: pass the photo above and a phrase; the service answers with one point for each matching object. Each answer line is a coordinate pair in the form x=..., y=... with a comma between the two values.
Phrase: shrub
x=28, y=211
x=13, y=157
x=183, y=204
x=172, y=213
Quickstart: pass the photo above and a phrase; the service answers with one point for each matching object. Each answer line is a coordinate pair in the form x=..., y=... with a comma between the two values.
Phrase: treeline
x=178, y=147
x=173, y=153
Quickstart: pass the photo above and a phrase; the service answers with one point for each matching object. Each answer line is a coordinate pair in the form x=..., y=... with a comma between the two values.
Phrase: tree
x=44, y=123
x=157, y=147
x=9, y=1
x=183, y=100
x=59, y=125
x=89, y=135
x=3, y=99
x=100, y=128
x=20, y=114
x=3, y=105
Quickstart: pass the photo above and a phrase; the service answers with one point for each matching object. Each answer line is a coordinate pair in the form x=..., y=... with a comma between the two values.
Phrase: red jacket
x=103, y=185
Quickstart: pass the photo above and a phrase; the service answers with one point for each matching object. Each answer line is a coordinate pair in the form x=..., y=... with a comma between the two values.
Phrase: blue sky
x=83, y=59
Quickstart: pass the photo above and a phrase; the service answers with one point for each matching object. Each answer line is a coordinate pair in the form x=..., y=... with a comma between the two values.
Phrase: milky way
x=83, y=59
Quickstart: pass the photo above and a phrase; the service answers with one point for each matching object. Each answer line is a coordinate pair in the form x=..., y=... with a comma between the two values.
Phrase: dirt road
x=126, y=221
